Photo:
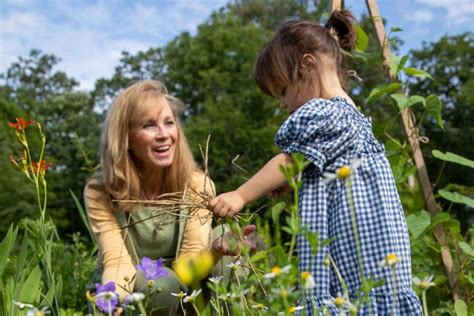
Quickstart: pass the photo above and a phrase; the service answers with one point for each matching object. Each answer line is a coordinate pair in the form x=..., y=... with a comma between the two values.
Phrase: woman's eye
x=169, y=122
x=148, y=125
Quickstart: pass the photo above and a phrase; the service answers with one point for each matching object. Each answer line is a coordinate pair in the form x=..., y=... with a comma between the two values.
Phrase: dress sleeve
x=116, y=261
x=319, y=130
x=198, y=231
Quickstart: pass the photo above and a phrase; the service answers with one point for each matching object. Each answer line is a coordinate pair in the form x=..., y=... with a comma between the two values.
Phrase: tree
x=34, y=88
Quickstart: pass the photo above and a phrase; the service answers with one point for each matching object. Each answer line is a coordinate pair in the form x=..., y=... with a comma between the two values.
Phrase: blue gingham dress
x=332, y=133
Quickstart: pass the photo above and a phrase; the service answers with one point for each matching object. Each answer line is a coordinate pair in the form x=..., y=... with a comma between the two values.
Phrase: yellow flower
x=179, y=295
x=202, y=263
x=307, y=280
x=390, y=260
x=425, y=284
x=339, y=301
x=294, y=309
x=194, y=268
x=183, y=270
x=276, y=271
x=260, y=307
x=343, y=172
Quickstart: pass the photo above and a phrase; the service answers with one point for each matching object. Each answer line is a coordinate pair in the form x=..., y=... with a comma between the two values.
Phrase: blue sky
x=89, y=36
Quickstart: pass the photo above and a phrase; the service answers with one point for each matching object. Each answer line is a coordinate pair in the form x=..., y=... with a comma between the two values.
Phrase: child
x=301, y=65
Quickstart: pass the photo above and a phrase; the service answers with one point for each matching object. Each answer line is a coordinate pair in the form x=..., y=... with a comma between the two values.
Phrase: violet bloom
x=152, y=269
x=107, y=299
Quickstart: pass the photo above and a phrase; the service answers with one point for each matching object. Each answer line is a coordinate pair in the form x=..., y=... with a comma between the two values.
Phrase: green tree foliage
x=17, y=196
x=450, y=61
x=34, y=88
x=212, y=73
x=144, y=65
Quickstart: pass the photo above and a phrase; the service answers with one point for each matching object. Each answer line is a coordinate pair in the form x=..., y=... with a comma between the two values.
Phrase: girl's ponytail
x=341, y=22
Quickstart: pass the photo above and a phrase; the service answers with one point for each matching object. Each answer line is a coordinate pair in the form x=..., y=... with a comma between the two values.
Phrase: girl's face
x=153, y=136
x=292, y=99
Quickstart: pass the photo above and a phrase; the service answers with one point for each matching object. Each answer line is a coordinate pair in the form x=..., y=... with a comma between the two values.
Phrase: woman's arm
x=266, y=180
x=116, y=261
x=197, y=233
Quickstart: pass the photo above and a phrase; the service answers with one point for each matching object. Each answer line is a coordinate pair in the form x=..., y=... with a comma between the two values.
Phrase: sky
x=89, y=36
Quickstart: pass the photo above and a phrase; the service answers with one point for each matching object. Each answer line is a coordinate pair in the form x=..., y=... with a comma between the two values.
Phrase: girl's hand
x=221, y=244
x=227, y=204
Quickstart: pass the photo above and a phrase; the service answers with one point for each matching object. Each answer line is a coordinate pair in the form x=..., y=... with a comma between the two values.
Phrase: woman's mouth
x=162, y=149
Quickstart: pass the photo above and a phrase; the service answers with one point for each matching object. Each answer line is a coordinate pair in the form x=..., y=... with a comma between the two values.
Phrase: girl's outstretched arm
x=266, y=180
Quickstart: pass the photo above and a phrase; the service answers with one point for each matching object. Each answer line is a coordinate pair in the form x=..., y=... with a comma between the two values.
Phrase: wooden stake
x=413, y=137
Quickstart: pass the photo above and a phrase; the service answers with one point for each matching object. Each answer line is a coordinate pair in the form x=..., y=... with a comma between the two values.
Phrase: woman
x=144, y=154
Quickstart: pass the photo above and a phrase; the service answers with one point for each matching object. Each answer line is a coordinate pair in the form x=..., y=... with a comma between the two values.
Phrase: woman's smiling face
x=153, y=136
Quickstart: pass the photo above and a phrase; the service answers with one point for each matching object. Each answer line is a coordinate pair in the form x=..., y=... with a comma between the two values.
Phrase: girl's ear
x=307, y=62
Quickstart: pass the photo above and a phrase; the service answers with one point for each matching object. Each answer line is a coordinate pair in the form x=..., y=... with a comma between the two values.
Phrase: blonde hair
x=119, y=173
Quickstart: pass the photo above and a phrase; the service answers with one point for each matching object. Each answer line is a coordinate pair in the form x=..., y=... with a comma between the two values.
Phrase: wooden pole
x=336, y=5
x=412, y=135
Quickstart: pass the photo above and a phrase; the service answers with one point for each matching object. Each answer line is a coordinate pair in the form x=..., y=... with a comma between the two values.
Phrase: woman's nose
x=160, y=132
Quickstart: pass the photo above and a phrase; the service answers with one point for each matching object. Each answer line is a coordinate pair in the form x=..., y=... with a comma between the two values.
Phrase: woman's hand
x=221, y=245
x=227, y=204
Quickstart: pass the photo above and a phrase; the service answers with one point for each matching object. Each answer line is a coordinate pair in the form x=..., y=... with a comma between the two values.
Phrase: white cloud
x=454, y=11
x=420, y=16
x=89, y=37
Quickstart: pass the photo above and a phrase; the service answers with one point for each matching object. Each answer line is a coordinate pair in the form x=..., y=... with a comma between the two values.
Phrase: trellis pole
x=413, y=137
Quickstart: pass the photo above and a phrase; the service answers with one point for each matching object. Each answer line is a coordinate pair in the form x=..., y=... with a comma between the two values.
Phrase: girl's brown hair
x=119, y=173
x=277, y=66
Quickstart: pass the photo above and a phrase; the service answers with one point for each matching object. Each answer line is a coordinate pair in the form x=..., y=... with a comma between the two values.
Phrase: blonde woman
x=144, y=154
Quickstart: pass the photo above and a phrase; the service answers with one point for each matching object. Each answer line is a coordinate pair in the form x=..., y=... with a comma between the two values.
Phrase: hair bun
x=342, y=21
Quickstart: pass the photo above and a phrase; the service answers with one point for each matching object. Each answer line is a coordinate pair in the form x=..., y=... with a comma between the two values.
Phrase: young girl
x=301, y=65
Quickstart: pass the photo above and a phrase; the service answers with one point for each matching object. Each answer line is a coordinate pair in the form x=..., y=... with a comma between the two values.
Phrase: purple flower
x=151, y=268
x=108, y=287
x=107, y=299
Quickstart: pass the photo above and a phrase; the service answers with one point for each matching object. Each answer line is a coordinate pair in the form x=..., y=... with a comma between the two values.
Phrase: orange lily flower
x=43, y=165
x=20, y=124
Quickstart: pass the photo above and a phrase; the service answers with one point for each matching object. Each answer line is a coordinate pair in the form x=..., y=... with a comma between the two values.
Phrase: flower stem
x=394, y=291
x=348, y=184
x=196, y=309
x=425, y=304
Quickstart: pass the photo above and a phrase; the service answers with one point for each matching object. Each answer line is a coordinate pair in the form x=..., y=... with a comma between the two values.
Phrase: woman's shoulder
x=95, y=187
x=201, y=181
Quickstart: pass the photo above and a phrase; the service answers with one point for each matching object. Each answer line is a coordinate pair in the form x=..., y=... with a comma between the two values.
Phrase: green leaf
x=363, y=55
x=460, y=308
x=31, y=287
x=466, y=248
x=82, y=213
x=262, y=254
x=393, y=63
x=456, y=197
x=395, y=29
x=416, y=72
x=381, y=90
x=362, y=39
x=440, y=218
x=433, y=106
x=280, y=255
x=417, y=224
x=7, y=245
x=448, y=156
x=401, y=100
x=288, y=230
x=414, y=99
x=276, y=211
